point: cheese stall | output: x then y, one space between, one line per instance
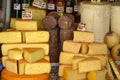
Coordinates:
59 40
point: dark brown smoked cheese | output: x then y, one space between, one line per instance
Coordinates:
54 14
71 16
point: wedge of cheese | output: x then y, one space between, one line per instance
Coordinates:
40 67
4 58
97 48
15 53
70 46
10 37
80 36
84 48
33 54
6 47
70 74
15 66
89 64
36 36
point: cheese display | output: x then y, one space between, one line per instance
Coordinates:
12 23
98 20
33 54
36 36
39 67
15 53
89 64
47 58
97 48
4 58
83 37
70 46
6 47
84 48
10 37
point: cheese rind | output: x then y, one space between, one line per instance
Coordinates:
6 47
36 36
33 54
83 37
70 46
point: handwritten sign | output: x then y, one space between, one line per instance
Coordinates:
81 27
26 15
40 4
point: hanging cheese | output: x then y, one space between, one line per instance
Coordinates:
6 47
33 54
70 46
10 37
83 37
40 67
97 48
84 48
36 36
15 66
4 58
15 53
7 75
89 64
98 20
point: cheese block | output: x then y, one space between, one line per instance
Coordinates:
36 36
7 75
33 54
15 66
6 47
80 36
37 13
12 23
89 64
66 58
84 48
76 59
15 53
97 48
61 78
26 24
4 58
70 74
46 58
10 37
70 46
61 69
97 75
40 67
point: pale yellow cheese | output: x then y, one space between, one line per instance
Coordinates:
46 58
6 47
36 36
83 37
61 69
12 23
33 54
15 66
4 58
70 46
84 48
70 74
97 48
66 58
39 67
15 53
89 64
10 37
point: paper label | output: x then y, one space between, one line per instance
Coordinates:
81 27
51 6
69 10
60 9
39 4
16 6
26 15
24 6
76 8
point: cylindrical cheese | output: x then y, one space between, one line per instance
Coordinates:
115 16
96 16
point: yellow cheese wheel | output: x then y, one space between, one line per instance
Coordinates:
6 75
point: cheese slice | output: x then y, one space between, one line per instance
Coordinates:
39 67
10 37
97 48
89 64
84 48
36 36
80 36
15 53
70 74
33 54
70 46
4 58
15 66
6 47
7 75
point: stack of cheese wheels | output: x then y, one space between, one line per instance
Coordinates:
83 59
98 20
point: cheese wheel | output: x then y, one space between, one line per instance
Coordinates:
6 75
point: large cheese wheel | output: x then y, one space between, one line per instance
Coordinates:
6 75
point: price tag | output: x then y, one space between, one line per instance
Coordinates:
16 6
60 9
51 6
39 4
81 27
26 15
76 8
24 6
